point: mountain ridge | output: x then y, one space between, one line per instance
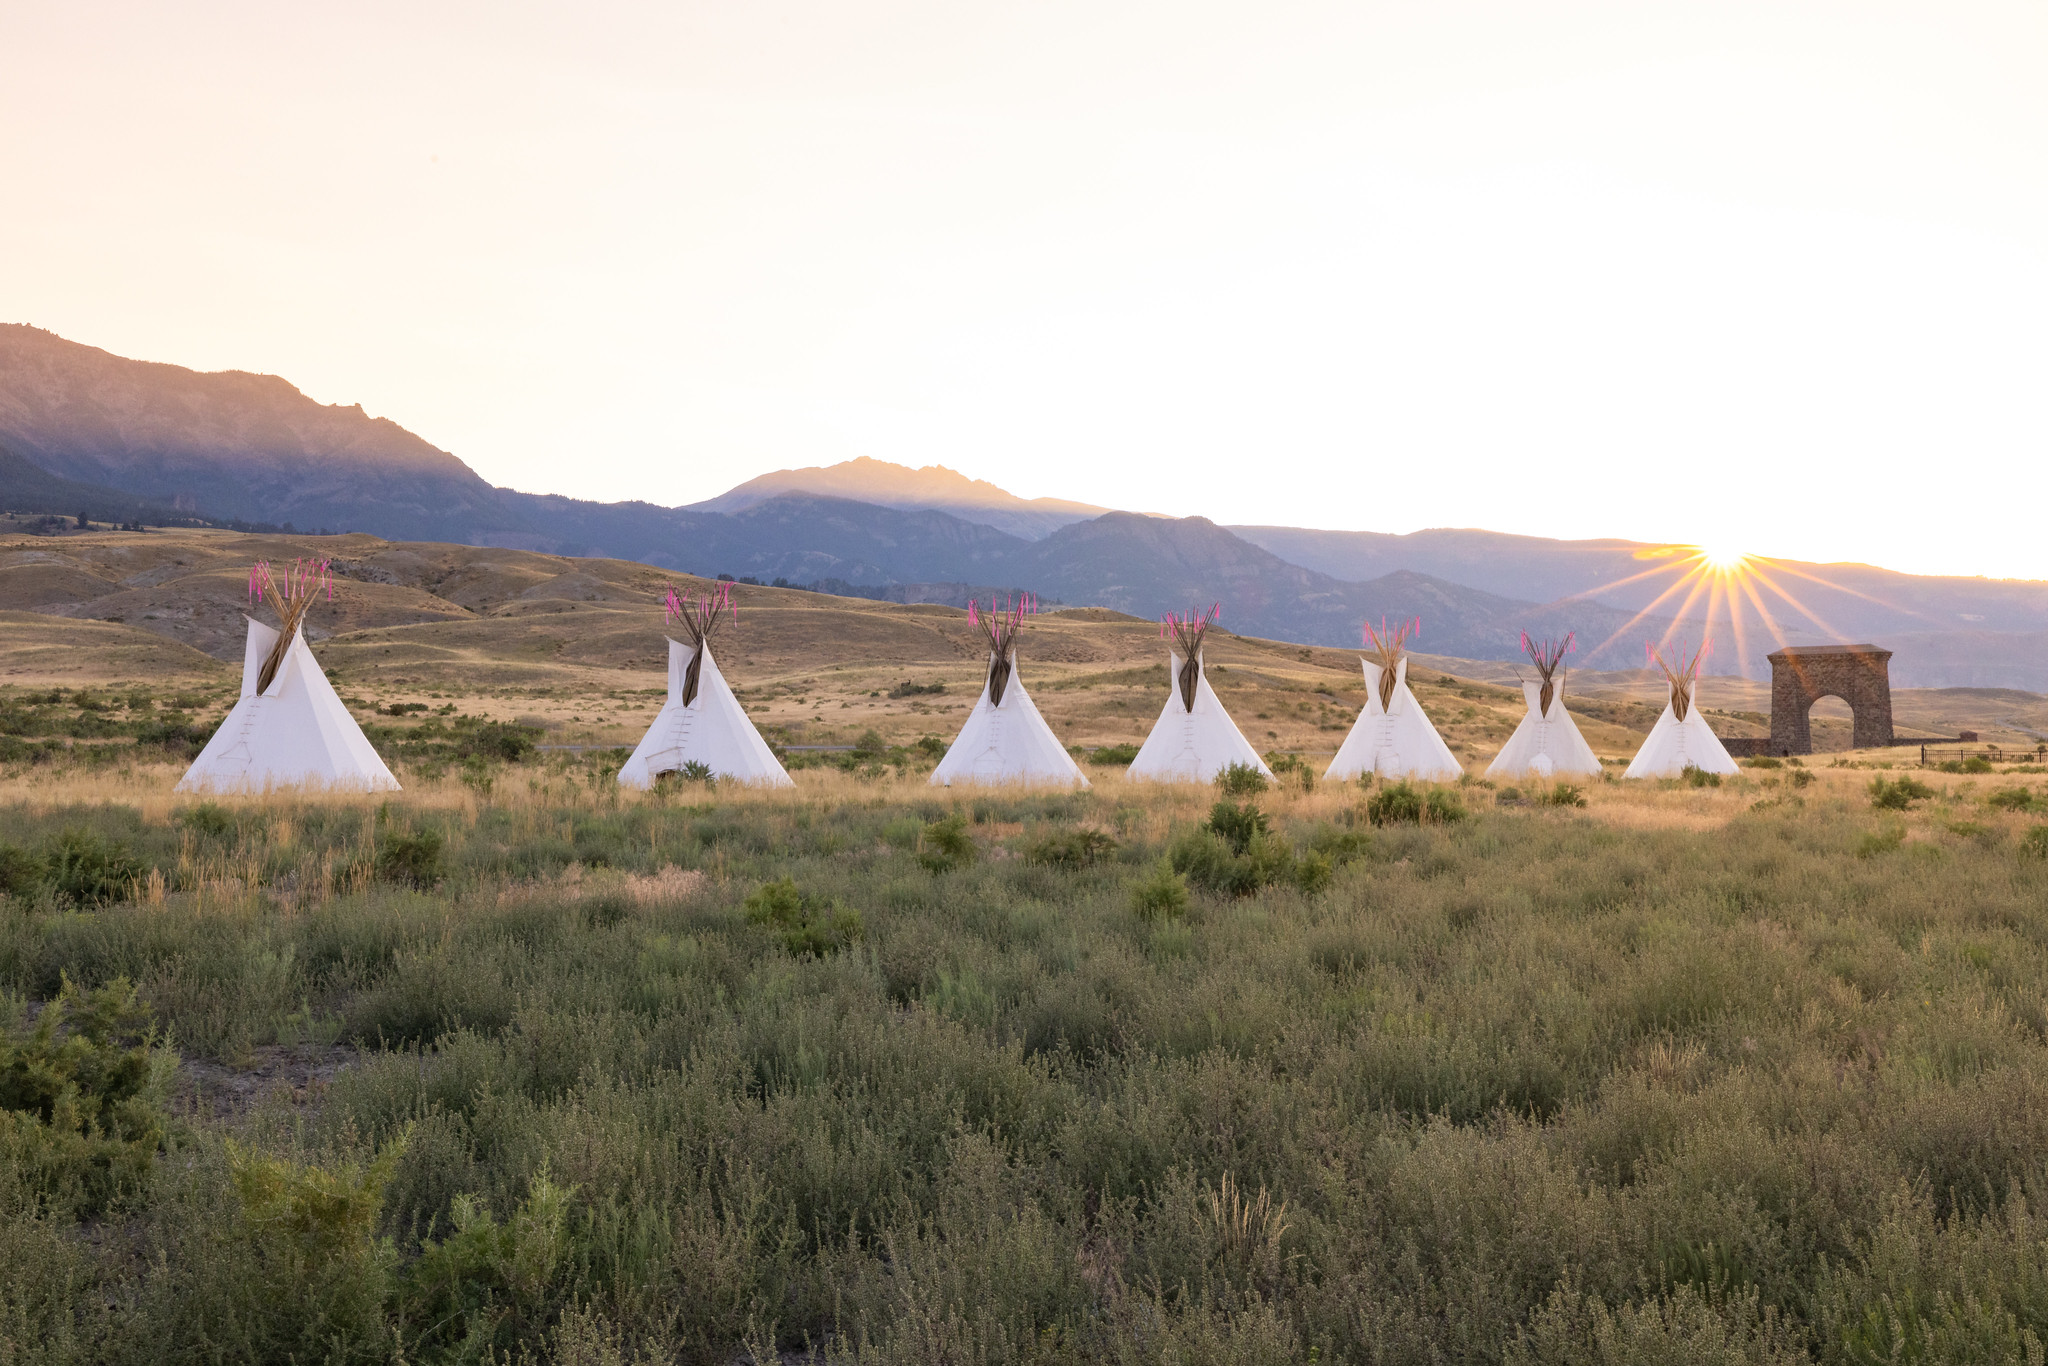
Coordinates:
237 445
930 487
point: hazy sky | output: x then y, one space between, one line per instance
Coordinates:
1772 276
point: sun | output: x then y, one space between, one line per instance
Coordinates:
1721 559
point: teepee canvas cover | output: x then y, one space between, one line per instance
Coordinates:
1005 740
1681 739
702 722
289 729
1194 739
1392 737
1547 744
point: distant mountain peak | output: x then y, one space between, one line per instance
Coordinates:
933 488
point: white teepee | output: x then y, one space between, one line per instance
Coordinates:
1194 738
288 729
1681 739
1005 741
702 722
1547 744
1392 737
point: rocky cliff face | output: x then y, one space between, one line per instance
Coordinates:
231 444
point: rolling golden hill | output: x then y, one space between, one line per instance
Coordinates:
577 645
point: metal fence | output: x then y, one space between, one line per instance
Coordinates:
1932 756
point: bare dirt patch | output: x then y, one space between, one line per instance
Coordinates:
298 1075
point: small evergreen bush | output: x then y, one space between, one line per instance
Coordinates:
1238 825
1403 803
807 925
80 1095
1161 895
411 859
1292 769
210 819
1241 780
1889 795
1079 847
945 845
90 869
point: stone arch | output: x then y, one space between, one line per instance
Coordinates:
1803 674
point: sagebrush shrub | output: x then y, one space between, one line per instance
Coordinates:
1899 795
1292 769
944 845
1080 847
807 925
1698 777
1241 780
412 858
80 1105
81 866
2034 844
208 818
1395 804
1238 825
1160 895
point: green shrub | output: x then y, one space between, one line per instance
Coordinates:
1292 769
909 689
412 859
1238 825
1560 794
2011 799
1235 853
90 869
2034 844
1976 763
21 872
1881 841
1766 761
81 1093
1160 895
210 819
1887 795
1079 847
806 924
946 844
1122 756
1403 803
496 740
1395 804
318 1262
1241 780
1699 777
490 1289
1443 807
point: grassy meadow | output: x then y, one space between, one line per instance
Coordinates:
513 1066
